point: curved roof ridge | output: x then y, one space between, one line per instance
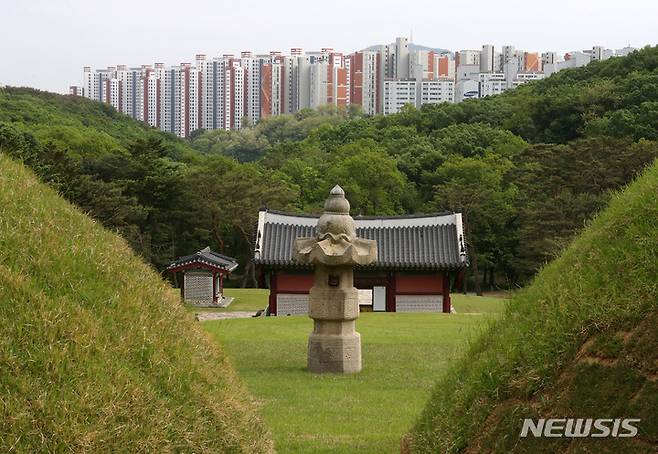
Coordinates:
225 257
208 257
427 241
357 217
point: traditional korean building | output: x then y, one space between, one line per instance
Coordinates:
419 260
203 276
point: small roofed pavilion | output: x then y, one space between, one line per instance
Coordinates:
203 276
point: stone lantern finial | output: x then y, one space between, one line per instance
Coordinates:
337 190
334 345
336 202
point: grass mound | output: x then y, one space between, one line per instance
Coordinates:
96 353
580 342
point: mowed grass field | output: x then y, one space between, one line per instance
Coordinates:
246 299
403 355
254 299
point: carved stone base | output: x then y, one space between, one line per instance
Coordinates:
334 353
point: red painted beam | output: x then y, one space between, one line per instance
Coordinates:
294 283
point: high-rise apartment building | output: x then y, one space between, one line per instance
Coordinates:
76 90
435 91
273 86
487 59
402 58
446 67
234 95
531 62
88 83
153 95
189 102
298 89
491 84
364 80
116 94
224 92
601 53
397 93
252 72
467 57
99 82
624 51
466 89
549 58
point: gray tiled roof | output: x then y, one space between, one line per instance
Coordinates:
206 257
403 242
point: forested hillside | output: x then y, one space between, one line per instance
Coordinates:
165 198
527 168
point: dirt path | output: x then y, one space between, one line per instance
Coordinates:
205 316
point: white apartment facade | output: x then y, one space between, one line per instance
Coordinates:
523 78
398 93
435 92
491 84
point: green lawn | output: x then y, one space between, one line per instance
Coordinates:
253 299
403 354
246 299
470 303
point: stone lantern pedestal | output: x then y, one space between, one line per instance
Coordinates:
334 345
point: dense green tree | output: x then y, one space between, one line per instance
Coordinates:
561 186
244 146
475 186
370 178
226 198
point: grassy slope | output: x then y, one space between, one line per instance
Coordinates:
472 304
367 412
581 341
96 354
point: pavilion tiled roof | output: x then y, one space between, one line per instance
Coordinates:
208 258
434 241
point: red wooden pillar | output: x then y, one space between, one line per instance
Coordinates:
273 289
214 286
446 293
221 283
390 293
182 285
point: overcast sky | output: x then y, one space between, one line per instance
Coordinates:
45 43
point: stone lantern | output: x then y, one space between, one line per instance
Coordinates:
334 345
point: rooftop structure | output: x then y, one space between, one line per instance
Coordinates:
420 258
